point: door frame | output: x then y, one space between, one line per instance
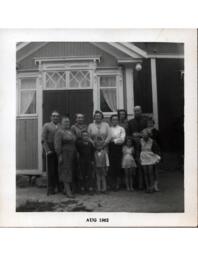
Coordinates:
43 68
94 73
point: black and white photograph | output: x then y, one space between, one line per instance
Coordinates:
101 128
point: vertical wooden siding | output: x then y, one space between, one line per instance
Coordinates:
58 49
26 144
171 103
142 87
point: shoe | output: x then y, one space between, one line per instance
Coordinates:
151 190
70 196
156 189
49 193
91 192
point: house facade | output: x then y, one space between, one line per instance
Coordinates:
73 77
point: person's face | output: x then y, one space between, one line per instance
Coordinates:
138 112
98 118
122 115
114 120
150 124
80 119
145 135
85 136
65 123
55 117
129 143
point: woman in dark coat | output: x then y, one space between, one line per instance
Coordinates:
65 148
122 116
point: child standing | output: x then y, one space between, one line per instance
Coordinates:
154 134
128 163
86 158
101 167
149 156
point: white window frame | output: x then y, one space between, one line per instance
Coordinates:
67 74
119 89
45 80
67 67
18 101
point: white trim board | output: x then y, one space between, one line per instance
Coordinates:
135 49
31 52
126 50
22 45
103 48
166 56
154 91
40 60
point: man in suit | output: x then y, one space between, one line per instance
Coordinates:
48 133
134 128
137 124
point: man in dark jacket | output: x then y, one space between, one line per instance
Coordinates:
135 126
48 133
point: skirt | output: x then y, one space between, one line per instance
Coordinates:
128 162
66 169
149 158
115 159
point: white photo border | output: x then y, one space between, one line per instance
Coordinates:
8 215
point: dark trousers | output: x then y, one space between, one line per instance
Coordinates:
115 158
52 172
86 174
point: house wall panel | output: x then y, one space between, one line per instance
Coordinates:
26 144
170 85
59 49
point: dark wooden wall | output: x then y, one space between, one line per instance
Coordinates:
171 103
142 87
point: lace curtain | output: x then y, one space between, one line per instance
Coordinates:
108 93
110 98
28 96
28 102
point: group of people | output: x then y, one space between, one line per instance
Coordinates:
101 156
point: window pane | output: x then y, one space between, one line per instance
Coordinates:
55 80
79 79
28 83
108 101
28 102
108 81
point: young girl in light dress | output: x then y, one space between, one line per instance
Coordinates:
149 157
155 135
128 163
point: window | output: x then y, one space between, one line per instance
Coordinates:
108 95
79 79
74 79
55 80
27 90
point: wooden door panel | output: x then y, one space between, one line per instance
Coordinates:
68 102
55 100
81 101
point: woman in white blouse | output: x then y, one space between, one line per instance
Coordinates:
115 152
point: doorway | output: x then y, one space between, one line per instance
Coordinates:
68 102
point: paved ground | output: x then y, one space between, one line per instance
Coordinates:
169 199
